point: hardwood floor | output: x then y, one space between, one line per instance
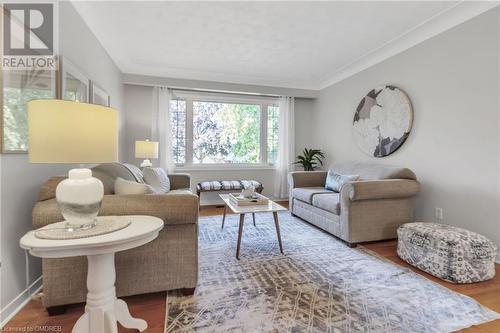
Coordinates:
151 307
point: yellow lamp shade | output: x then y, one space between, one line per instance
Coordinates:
71 132
146 149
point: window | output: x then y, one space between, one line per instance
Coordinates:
217 129
178 121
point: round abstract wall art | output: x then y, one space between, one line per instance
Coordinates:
382 121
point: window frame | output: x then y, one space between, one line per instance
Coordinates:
230 98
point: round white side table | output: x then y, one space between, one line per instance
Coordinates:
103 309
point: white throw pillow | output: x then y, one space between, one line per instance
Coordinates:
335 181
157 178
124 187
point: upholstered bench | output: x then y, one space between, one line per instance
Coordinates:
228 185
449 253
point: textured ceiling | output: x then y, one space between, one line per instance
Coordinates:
288 44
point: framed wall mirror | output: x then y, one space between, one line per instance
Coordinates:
98 95
17 89
74 83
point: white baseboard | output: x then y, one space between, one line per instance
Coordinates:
19 302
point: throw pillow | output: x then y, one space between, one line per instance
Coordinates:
157 178
124 187
335 181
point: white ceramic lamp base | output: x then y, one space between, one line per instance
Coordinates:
146 164
79 198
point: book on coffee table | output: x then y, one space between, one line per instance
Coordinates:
257 199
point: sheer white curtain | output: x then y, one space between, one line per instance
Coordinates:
286 151
161 129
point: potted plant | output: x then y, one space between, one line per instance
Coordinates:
310 158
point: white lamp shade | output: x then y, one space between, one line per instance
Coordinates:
71 132
146 149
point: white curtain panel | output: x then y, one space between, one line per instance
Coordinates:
162 129
286 151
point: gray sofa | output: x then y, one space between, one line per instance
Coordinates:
366 210
168 262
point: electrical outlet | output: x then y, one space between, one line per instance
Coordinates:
438 214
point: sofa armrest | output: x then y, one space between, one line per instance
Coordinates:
171 208
179 181
306 178
380 189
46 212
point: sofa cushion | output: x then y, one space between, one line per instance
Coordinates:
127 187
335 181
180 191
306 194
48 189
370 171
327 201
157 178
108 172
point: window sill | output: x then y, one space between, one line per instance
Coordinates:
225 168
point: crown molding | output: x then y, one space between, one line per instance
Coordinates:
179 83
461 12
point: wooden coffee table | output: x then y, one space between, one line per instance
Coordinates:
271 207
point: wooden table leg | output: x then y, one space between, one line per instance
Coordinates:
253 217
240 231
277 224
103 309
224 216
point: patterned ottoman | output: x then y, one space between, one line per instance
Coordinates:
228 185
449 253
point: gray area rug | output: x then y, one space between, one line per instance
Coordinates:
319 285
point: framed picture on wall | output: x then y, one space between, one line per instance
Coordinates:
98 95
17 89
75 85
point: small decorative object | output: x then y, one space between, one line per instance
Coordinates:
382 121
256 199
248 192
75 86
99 96
70 132
310 159
146 149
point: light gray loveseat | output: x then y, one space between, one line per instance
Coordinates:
366 210
168 262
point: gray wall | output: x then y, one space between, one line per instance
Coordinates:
454 148
139 104
20 180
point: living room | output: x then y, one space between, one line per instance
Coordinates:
258 166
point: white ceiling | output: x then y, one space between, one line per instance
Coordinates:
287 44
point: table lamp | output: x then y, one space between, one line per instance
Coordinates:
77 133
146 149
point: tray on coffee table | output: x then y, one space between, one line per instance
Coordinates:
257 199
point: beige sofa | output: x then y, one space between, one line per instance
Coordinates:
366 210
168 262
